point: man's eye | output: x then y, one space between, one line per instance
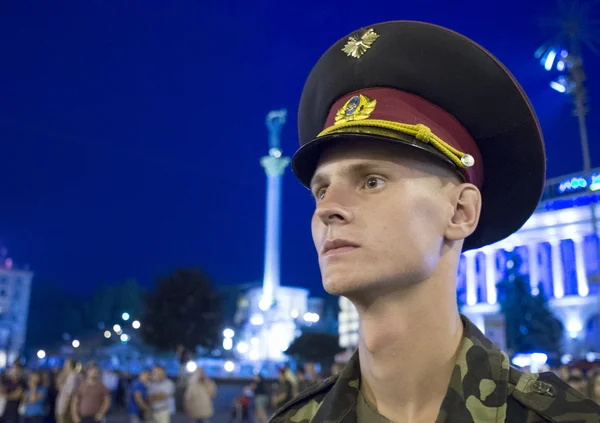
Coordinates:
374 182
320 193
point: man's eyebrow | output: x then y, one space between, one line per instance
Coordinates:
361 167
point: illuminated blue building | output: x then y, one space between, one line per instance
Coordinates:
15 289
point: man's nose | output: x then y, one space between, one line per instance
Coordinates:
334 207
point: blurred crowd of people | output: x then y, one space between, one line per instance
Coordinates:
84 394
260 399
586 382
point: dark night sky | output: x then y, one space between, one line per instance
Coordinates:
131 132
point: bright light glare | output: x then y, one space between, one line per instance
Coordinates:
311 317
257 320
539 358
242 348
550 60
107 334
264 304
228 333
227 344
124 337
136 324
191 366
566 359
75 343
558 87
229 366
41 354
117 328
125 316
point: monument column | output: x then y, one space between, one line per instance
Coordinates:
274 165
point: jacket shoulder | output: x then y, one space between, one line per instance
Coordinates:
551 399
303 407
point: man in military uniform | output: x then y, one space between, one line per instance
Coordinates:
418 145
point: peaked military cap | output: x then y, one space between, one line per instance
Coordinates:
430 88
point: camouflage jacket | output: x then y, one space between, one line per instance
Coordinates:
484 388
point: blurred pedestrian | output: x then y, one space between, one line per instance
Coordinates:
311 374
48 382
110 379
594 386
578 383
68 383
92 400
261 400
303 383
14 388
198 398
138 406
283 393
34 400
160 393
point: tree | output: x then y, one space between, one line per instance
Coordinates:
530 325
315 346
183 311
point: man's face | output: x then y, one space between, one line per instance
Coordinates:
383 210
158 374
93 372
14 373
144 376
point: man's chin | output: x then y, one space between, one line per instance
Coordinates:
344 286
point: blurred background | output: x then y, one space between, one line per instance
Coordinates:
149 218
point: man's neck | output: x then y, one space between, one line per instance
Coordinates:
409 341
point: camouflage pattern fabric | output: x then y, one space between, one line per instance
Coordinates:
484 388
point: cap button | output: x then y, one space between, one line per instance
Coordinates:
467 160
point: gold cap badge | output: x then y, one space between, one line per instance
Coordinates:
359 107
357 46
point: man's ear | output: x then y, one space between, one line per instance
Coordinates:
466 200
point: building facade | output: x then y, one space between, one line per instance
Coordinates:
560 254
15 289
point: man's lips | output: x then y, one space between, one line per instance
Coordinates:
338 246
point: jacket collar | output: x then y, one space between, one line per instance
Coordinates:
477 392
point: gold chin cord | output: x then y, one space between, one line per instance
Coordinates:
421 132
